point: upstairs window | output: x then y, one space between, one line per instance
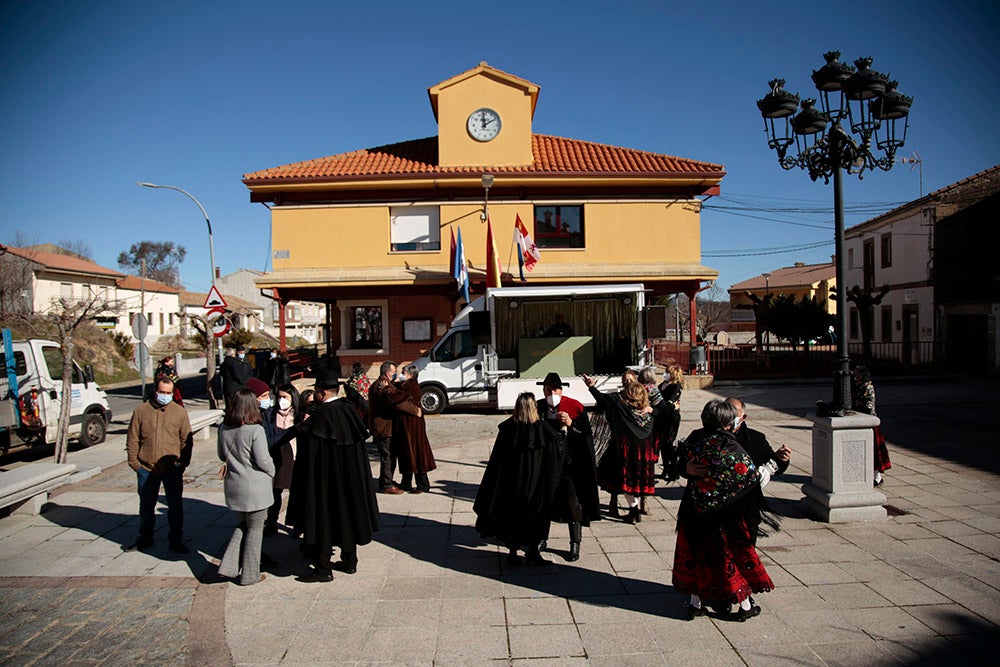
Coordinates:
886 250
559 227
415 228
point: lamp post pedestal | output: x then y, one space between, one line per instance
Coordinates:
842 489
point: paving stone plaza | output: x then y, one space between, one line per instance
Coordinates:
920 587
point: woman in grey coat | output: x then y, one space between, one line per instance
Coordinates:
248 482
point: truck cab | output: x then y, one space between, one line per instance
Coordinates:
31 395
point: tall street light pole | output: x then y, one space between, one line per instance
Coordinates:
211 244
767 294
871 106
858 117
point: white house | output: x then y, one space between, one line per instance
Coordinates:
36 280
157 301
906 252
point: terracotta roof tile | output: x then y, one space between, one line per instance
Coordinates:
552 156
789 276
60 262
136 283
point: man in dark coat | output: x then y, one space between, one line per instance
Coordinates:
384 402
275 372
332 501
756 445
235 371
576 500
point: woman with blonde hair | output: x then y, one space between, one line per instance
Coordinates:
627 468
514 500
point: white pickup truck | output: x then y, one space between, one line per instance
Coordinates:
30 391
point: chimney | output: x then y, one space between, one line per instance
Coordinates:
218 273
798 264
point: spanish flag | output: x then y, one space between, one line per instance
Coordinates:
492 258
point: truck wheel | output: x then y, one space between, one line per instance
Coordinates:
432 400
93 430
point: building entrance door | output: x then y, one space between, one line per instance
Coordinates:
911 334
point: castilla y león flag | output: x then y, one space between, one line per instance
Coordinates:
528 254
492 258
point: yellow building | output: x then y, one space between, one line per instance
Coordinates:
369 232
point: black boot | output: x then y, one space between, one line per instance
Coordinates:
613 506
575 537
634 516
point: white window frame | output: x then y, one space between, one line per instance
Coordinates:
347 327
419 225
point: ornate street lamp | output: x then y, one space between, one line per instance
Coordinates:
855 130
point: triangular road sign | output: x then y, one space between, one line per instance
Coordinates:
214 299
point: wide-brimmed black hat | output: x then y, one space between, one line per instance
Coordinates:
327 379
553 380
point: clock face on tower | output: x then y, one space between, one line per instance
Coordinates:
483 124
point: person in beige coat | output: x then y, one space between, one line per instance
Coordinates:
159 449
247 484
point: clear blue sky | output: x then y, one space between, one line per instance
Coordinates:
98 95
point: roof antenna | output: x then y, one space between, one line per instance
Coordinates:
917 164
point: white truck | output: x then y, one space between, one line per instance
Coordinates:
505 342
30 396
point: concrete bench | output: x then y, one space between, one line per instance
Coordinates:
202 421
26 489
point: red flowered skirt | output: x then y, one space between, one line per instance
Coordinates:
882 462
629 466
718 569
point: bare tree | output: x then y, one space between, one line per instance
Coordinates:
68 315
204 333
17 271
77 247
713 310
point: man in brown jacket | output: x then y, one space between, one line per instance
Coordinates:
384 402
159 445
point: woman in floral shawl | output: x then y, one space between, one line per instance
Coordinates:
715 560
863 400
628 467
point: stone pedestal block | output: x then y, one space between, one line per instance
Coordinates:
843 475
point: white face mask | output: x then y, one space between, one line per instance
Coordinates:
553 399
265 404
284 403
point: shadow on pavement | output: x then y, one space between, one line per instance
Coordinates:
121 530
458 548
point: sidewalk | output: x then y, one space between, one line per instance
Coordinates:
919 587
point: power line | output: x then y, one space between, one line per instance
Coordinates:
758 252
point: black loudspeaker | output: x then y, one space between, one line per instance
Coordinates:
479 327
655 321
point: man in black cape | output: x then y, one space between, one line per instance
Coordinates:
332 500
576 500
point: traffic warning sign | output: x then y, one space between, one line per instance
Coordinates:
214 299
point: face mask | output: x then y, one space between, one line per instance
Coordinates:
736 423
163 399
284 403
395 376
273 355
241 356
553 399
265 404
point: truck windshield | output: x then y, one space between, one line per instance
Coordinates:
457 346
54 364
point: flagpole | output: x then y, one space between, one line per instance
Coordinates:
511 251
